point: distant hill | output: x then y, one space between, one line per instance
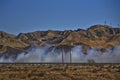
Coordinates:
100 36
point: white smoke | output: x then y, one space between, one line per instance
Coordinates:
39 55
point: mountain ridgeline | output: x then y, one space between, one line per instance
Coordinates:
97 36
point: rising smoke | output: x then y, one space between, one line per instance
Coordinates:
43 55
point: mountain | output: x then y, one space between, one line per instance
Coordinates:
10 44
98 36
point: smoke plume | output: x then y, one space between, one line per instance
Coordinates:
44 55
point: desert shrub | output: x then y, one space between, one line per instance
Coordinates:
41 74
29 75
34 79
49 66
64 74
91 61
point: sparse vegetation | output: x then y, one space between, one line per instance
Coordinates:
60 72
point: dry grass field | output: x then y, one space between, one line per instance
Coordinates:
60 72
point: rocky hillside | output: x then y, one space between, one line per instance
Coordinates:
100 36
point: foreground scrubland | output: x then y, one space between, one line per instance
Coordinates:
60 72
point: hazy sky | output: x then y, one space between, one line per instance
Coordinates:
31 15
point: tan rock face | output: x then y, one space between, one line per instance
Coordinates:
101 36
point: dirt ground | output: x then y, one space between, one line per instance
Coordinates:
60 72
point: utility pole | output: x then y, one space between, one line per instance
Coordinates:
62 55
70 55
